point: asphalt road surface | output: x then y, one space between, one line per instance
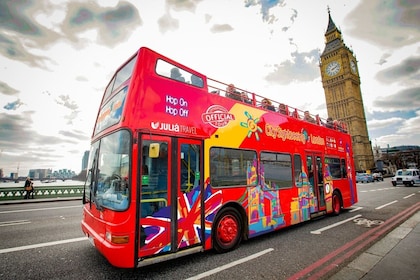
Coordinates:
45 241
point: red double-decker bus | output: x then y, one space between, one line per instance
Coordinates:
181 163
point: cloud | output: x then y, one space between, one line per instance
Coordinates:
24 19
74 134
404 100
23 144
293 16
383 58
394 24
167 23
265 6
112 24
380 124
13 105
7 90
411 126
406 72
185 5
14 130
16 23
395 130
303 67
219 28
67 102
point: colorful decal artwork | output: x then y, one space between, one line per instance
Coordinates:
261 200
252 125
189 224
305 203
328 187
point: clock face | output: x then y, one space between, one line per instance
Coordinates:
353 66
333 68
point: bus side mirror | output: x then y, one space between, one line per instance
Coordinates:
154 150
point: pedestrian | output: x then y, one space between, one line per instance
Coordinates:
27 187
31 192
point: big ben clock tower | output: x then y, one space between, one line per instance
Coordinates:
341 83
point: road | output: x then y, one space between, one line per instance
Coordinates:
44 241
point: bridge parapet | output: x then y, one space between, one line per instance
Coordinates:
14 193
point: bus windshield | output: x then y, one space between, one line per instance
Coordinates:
108 178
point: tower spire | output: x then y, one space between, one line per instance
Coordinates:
331 25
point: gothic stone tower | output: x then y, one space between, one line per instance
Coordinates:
341 83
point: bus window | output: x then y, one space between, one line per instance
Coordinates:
173 72
124 73
277 170
108 90
190 166
121 76
231 167
297 163
154 192
334 167
111 112
310 168
343 168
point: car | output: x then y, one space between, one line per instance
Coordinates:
377 176
407 177
363 178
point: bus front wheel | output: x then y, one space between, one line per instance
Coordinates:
227 230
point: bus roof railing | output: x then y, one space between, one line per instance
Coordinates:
251 98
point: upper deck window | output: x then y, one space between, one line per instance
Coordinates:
121 76
166 69
111 112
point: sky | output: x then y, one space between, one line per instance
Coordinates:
57 56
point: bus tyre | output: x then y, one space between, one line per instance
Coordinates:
228 230
336 203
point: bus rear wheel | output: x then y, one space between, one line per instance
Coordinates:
227 230
336 203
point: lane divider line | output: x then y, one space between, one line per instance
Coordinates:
12 223
319 231
229 265
385 205
33 246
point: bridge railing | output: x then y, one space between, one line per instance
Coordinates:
14 193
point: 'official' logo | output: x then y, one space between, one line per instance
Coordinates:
217 116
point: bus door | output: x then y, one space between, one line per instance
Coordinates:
169 213
316 178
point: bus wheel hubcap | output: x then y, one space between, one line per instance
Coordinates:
228 229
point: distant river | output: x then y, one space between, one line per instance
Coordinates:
42 184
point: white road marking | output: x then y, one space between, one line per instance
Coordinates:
12 223
410 195
319 231
229 265
33 246
385 205
39 209
355 209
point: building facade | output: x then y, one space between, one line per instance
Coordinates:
85 160
341 83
